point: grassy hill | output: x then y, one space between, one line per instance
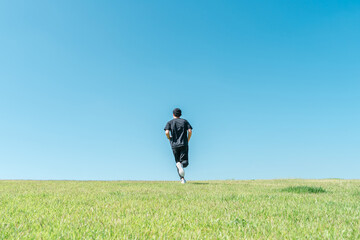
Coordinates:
254 209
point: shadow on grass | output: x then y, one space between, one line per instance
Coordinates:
198 183
304 189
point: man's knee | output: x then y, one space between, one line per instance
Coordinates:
185 163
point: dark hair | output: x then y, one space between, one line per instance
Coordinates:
177 112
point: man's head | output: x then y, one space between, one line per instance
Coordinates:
177 112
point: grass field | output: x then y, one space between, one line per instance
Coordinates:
254 209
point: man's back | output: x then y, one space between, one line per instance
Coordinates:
178 128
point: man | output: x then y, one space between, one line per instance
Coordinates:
181 132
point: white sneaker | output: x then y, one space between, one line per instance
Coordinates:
180 168
183 181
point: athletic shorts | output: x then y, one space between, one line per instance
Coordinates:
181 153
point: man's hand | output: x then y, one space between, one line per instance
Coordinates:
189 134
167 133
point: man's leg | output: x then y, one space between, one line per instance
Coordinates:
177 153
184 156
184 159
180 170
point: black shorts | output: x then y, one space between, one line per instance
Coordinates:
181 153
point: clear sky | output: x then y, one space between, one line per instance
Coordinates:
271 88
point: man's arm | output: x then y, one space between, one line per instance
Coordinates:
189 134
167 133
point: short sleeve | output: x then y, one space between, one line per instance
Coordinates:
167 126
188 126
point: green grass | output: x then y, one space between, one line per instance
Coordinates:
304 189
254 209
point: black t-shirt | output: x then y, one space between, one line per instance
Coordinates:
178 128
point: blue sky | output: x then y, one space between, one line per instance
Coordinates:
272 88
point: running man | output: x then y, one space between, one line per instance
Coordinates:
181 131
